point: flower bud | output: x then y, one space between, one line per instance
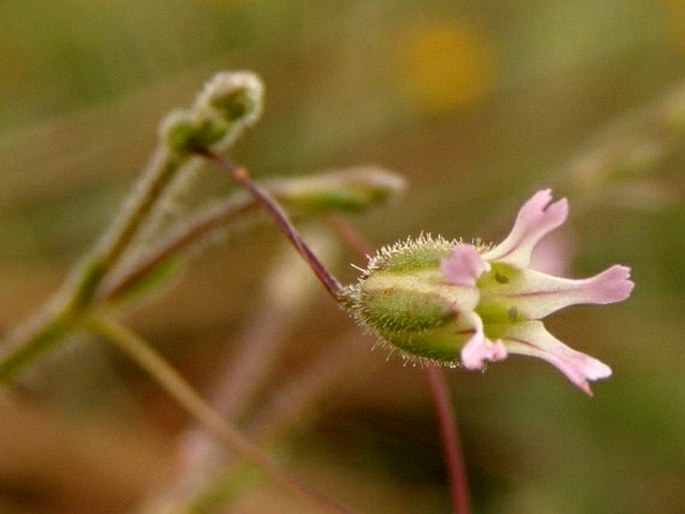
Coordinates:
229 103
235 96
352 190
404 298
185 131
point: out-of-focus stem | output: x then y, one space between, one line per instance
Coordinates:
172 382
616 166
284 410
33 340
288 289
79 291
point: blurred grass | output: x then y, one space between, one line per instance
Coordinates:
478 105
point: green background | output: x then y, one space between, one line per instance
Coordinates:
478 105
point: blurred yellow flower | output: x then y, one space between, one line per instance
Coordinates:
445 65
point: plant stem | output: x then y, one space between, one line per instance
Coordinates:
454 459
22 347
172 382
79 291
241 176
160 170
453 456
162 167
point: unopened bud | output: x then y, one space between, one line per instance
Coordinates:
354 189
185 131
404 298
236 96
229 103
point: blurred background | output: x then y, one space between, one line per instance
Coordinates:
478 104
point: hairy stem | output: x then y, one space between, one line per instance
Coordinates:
172 382
78 293
161 169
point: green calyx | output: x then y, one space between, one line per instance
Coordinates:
437 345
409 256
403 303
404 298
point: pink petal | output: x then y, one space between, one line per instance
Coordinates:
553 254
464 266
534 295
612 285
531 338
480 349
535 219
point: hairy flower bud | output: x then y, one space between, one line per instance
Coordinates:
404 298
185 131
229 103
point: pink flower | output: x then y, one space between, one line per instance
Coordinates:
513 297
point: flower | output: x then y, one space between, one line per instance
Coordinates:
452 302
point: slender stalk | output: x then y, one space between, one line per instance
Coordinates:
294 399
241 176
176 243
148 191
79 290
284 411
172 382
32 340
454 459
453 456
162 168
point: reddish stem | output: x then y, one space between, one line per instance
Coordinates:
449 433
241 176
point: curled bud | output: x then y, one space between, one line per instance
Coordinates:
235 96
186 131
229 103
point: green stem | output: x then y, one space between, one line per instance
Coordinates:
162 168
172 382
79 291
40 336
